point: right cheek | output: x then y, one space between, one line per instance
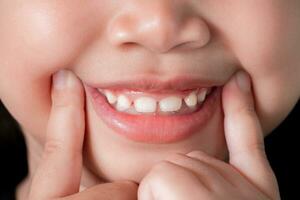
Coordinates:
33 46
28 100
24 73
37 35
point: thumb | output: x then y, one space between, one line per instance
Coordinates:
59 172
244 135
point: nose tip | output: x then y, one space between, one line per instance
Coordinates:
159 30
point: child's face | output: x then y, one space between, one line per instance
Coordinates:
107 41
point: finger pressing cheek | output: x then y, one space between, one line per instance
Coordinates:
244 135
59 172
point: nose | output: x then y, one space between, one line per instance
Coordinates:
158 25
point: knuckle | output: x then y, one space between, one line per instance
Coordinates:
256 149
175 157
62 103
197 154
162 166
53 146
258 146
259 149
202 156
160 170
247 110
65 99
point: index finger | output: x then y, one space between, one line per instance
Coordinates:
59 172
244 135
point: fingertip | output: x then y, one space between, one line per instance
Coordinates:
242 127
243 81
67 117
237 94
62 156
66 88
241 123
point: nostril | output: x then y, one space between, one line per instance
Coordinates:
128 45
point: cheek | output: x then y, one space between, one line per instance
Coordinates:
43 34
270 32
36 40
27 97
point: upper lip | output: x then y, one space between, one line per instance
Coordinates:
151 84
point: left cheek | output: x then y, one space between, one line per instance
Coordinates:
275 96
270 58
274 68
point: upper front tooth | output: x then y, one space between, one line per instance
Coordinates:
123 103
145 105
170 104
191 99
202 95
111 98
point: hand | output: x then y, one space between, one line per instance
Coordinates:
59 173
197 176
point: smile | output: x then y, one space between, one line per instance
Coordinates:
155 117
137 103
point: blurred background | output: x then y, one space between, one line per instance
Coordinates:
281 146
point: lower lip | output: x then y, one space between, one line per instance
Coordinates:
155 128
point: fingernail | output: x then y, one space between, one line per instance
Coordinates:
63 79
60 79
243 81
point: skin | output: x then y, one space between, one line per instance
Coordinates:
248 174
38 38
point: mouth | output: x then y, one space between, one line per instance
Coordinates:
150 115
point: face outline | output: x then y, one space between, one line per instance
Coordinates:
39 38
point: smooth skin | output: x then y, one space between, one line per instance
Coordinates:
194 175
105 41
